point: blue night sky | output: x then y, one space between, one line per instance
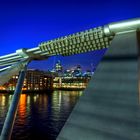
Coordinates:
26 23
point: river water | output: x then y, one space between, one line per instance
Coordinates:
39 116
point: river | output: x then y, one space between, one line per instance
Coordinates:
39 116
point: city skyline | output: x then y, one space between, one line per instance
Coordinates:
25 24
63 69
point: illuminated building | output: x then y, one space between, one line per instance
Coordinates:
88 73
77 71
34 80
71 83
37 80
67 73
72 79
58 66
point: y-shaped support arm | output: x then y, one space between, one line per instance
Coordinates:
11 115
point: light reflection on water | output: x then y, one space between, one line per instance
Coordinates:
39 115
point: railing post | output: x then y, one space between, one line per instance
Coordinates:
11 115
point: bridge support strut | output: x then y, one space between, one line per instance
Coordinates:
11 115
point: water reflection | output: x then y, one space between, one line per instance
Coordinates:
40 115
22 109
3 101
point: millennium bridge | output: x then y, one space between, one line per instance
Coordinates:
110 106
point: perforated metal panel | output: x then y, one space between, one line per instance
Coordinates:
80 42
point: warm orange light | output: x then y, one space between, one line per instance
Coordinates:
2 88
24 88
22 109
